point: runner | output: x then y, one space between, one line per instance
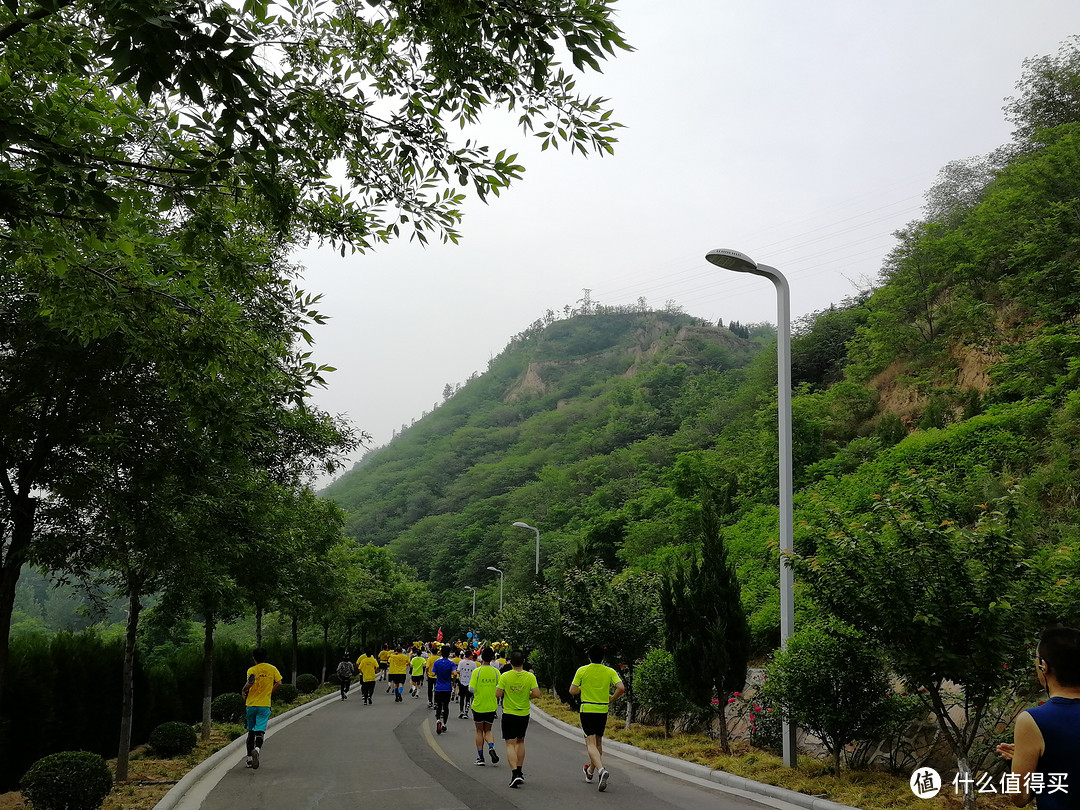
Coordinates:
262 681
484 680
399 665
444 669
345 673
417 664
368 665
384 663
433 656
465 669
455 659
593 682
515 687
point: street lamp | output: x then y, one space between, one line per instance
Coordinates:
521 525
500 573
741 263
471 588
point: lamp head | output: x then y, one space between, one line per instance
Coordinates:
470 588
521 525
731 260
493 568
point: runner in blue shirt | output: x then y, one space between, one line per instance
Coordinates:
444 685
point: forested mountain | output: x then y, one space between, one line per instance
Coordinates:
953 382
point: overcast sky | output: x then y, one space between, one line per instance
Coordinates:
801 133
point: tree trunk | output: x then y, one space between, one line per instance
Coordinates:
836 760
207 672
725 737
22 509
325 646
258 625
128 702
964 772
295 645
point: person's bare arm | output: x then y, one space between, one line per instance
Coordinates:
1024 753
535 692
575 689
499 692
620 690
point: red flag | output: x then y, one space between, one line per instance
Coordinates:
438 636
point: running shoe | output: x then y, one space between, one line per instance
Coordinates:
601 780
438 727
255 759
515 781
480 761
248 763
588 774
494 756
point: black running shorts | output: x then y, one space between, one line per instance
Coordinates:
514 726
593 723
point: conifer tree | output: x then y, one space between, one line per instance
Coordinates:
707 632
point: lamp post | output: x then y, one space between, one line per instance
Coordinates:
471 588
500 573
741 263
521 525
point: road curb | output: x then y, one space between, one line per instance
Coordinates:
739 785
180 790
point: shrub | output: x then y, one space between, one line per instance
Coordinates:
657 685
70 780
286 693
306 684
228 708
832 681
173 739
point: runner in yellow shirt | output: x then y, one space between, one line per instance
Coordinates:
398 667
431 659
368 665
593 682
262 681
384 658
455 659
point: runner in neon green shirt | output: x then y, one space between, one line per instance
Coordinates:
593 682
484 681
515 688
418 664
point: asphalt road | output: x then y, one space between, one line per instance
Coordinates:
348 755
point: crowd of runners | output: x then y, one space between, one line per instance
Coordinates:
485 686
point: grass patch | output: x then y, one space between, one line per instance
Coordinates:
869 790
150 778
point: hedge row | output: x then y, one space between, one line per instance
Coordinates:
66 689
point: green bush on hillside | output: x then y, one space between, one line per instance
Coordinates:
70 780
228 708
306 683
173 739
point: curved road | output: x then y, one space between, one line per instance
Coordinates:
344 755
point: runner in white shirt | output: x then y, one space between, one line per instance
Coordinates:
465 670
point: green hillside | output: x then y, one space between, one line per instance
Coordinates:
959 367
